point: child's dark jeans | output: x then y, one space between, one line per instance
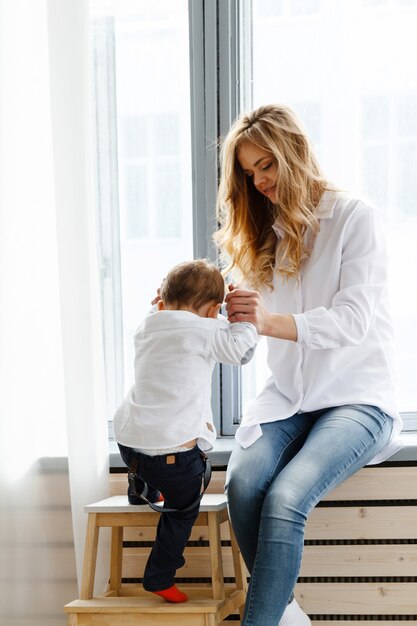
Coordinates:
178 476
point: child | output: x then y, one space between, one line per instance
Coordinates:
165 422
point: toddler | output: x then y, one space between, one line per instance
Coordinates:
165 424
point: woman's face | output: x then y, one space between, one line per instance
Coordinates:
261 167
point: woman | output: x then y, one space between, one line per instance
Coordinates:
313 264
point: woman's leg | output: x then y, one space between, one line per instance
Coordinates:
251 471
340 442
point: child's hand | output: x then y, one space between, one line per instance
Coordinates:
158 293
157 297
230 287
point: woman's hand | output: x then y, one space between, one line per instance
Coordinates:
244 305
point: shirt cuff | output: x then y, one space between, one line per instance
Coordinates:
303 333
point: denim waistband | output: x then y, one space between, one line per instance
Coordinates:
168 458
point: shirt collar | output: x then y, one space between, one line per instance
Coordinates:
325 210
278 230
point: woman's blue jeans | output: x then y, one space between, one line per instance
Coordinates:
274 484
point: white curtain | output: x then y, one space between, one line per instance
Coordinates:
53 436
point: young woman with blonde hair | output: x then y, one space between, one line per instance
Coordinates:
311 266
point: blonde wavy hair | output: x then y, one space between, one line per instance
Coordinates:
246 240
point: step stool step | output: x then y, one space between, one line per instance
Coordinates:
120 504
148 609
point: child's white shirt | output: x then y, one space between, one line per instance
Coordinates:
175 353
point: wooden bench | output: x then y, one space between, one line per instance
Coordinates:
360 555
126 604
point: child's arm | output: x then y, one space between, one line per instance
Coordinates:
233 344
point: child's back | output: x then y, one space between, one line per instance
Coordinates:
170 401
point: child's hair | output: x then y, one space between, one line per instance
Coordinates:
193 284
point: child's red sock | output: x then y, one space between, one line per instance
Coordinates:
173 594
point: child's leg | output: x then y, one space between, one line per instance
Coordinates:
153 494
166 557
179 478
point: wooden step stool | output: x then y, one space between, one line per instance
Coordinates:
128 605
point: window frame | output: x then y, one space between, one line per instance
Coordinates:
217 95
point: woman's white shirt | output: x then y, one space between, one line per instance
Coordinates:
344 351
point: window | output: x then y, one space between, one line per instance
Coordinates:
141 112
156 159
169 76
347 68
